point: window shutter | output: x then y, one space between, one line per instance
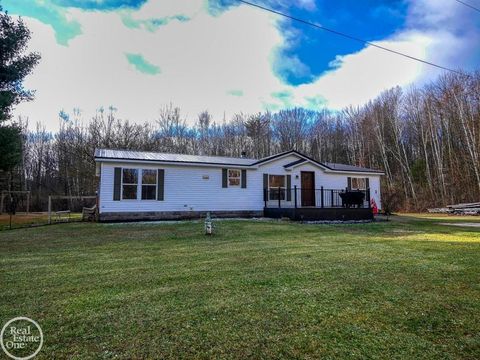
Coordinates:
289 185
224 178
349 183
117 183
244 179
160 184
265 187
367 183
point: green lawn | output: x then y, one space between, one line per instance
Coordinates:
404 289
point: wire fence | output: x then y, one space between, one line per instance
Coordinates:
61 209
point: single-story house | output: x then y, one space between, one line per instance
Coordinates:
137 185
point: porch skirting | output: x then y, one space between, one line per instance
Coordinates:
312 214
174 215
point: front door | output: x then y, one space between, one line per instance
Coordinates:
308 188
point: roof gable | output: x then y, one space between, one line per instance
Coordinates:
326 166
287 153
297 162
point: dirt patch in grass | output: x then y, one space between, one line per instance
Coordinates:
466 224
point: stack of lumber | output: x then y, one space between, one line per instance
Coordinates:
459 209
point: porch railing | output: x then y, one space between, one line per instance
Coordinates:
319 198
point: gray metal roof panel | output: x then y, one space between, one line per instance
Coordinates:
344 167
167 157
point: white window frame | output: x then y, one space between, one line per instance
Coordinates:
139 184
357 179
239 177
150 185
130 184
284 188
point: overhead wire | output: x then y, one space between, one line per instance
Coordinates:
348 36
468 5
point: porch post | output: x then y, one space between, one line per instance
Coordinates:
368 198
295 194
321 197
279 199
331 198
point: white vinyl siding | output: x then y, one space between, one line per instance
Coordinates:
199 188
186 188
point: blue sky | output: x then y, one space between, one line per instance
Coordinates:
227 57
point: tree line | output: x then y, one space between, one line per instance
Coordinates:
426 140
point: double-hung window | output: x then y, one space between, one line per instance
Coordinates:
276 186
129 184
359 184
234 176
149 184
139 180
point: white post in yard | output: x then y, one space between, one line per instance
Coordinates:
208 224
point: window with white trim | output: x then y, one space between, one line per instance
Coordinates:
359 184
276 187
129 184
234 177
149 184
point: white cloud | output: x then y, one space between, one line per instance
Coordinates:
200 60
362 76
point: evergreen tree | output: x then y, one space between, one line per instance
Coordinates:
15 65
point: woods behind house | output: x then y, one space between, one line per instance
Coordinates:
426 140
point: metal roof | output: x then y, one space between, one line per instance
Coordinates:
105 154
344 167
167 157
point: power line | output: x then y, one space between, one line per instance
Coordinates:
468 5
351 37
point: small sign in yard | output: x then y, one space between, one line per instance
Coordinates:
208 225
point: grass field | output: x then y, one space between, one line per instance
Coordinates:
406 289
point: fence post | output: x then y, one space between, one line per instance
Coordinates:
295 194
49 209
321 197
28 202
279 199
